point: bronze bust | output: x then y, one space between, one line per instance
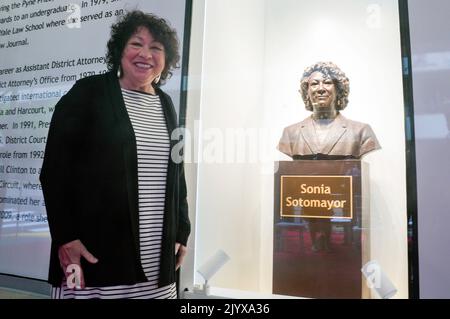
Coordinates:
327 133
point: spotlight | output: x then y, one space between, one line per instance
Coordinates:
211 266
377 280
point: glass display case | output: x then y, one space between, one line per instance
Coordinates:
244 90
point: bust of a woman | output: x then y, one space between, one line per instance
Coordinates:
325 89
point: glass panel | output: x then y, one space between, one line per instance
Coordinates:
254 56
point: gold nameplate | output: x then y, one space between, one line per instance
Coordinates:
316 196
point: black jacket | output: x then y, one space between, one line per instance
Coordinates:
90 185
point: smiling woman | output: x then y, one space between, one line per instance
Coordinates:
127 230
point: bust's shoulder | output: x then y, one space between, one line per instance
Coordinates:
356 125
298 125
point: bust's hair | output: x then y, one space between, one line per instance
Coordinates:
128 24
340 80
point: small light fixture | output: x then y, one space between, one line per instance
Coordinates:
377 280
211 267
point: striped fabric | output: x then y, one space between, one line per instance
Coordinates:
153 148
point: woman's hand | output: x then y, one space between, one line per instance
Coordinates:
180 252
71 253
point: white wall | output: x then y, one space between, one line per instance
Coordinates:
429 29
253 56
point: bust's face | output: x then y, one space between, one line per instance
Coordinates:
321 91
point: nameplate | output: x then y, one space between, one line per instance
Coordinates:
316 196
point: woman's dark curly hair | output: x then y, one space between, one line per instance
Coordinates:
340 80
128 24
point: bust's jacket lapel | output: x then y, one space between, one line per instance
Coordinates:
309 136
337 131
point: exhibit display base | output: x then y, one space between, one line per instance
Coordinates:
321 228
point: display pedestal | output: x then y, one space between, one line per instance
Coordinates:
321 228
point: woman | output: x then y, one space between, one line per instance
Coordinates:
326 134
116 201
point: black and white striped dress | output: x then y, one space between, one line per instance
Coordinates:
153 148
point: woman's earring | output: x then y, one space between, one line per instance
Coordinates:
156 80
119 72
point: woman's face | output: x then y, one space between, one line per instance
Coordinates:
143 59
321 91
